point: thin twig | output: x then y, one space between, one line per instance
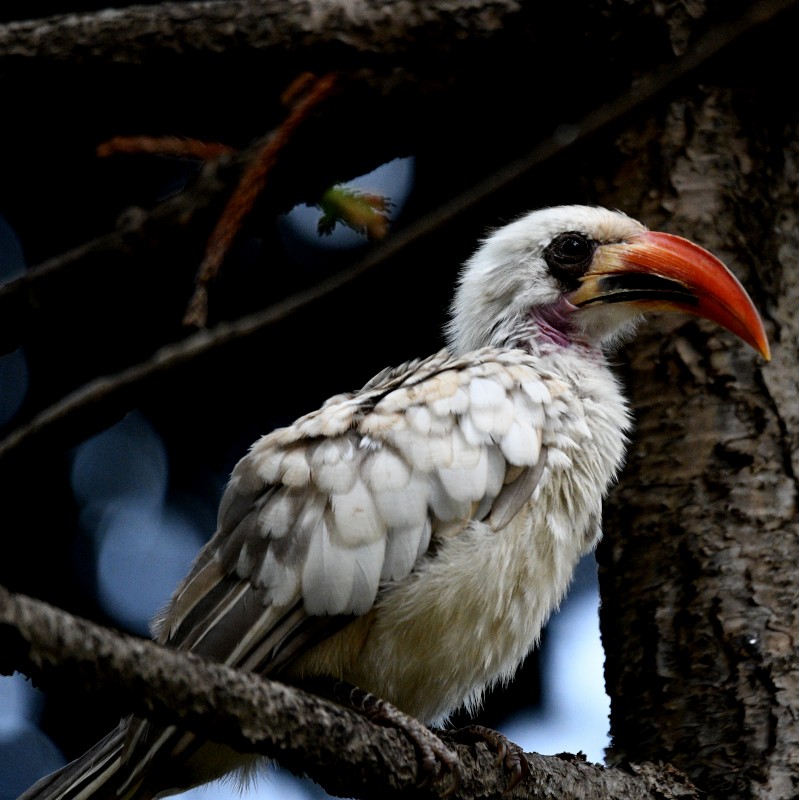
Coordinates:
176 146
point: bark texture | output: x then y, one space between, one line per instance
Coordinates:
139 33
699 613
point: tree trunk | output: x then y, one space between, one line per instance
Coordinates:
700 605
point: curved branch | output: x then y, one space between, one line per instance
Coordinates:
114 389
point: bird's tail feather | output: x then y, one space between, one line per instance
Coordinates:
90 776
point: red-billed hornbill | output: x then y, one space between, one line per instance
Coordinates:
412 538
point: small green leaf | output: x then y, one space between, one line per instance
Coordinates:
363 212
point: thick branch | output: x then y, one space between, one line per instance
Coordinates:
137 33
303 732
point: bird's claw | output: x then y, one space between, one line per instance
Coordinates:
435 758
508 755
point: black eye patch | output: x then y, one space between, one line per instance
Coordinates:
568 256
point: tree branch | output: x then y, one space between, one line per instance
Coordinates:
140 33
303 732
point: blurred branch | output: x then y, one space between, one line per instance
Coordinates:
177 146
304 732
68 413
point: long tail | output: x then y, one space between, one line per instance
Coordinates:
91 775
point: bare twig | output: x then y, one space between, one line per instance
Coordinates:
111 389
177 146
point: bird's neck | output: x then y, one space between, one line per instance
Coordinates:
550 329
552 325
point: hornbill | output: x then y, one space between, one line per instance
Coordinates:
412 538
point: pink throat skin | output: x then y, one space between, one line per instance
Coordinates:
553 322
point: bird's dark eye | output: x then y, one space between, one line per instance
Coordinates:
568 256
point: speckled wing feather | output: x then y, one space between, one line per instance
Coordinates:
318 514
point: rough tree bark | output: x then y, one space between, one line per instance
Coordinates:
699 613
699 593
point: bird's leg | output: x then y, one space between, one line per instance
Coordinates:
434 754
509 755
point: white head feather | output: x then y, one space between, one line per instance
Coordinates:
508 279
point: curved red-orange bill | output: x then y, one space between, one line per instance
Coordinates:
660 271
